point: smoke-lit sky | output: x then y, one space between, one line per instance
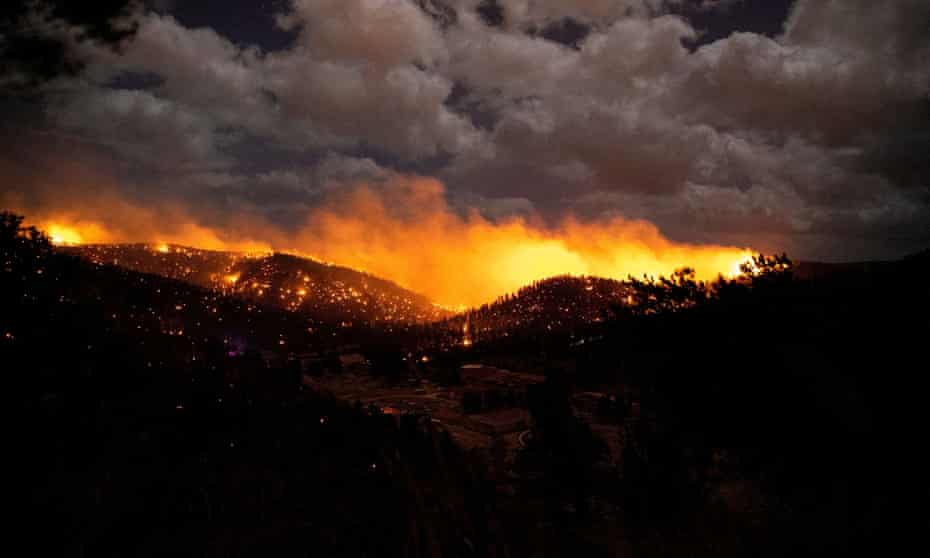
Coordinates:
801 126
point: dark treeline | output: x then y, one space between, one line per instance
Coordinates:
766 415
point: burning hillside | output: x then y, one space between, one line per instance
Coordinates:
324 292
406 231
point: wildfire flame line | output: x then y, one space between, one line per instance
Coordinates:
406 232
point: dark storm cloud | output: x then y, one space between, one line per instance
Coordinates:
244 22
566 31
783 125
718 20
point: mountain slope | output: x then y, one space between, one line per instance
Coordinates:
320 291
555 305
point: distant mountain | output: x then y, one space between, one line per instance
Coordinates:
557 304
573 308
320 291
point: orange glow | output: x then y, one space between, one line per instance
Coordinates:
66 232
120 222
63 235
405 231
470 260
231 279
737 268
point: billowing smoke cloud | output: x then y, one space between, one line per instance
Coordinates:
809 140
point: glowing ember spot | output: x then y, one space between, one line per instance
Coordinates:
163 248
231 279
737 268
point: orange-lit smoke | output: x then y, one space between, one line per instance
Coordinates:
406 232
470 260
120 221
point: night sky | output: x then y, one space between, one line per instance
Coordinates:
781 126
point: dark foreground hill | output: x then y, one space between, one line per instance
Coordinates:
141 434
